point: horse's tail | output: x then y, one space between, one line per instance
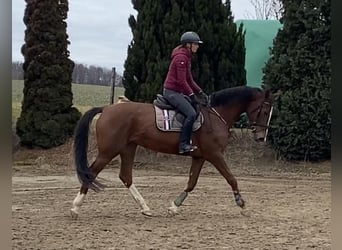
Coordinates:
81 147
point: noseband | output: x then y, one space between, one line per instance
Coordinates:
259 109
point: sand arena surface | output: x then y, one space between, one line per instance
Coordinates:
287 208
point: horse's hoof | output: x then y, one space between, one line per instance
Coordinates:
245 213
241 203
74 214
173 210
146 213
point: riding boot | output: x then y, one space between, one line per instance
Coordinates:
185 136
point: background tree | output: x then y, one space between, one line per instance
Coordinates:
300 66
81 74
218 64
266 9
47 118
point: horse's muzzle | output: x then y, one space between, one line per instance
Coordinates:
259 139
259 135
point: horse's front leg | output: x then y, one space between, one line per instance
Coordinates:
195 170
219 163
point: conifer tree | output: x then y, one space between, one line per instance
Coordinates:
218 64
300 66
47 118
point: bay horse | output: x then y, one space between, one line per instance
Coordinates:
121 127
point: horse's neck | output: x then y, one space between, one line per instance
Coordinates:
230 113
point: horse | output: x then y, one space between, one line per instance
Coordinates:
121 127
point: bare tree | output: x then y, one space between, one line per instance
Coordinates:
266 9
277 9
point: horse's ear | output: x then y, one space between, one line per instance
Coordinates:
269 94
277 95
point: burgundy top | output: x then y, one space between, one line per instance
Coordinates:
179 78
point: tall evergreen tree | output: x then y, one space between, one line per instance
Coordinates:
300 66
47 118
218 64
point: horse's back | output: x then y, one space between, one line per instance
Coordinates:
126 116
131 108
133 122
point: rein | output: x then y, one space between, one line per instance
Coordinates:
219 116
215 112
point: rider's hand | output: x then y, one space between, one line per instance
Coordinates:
203 98
193 99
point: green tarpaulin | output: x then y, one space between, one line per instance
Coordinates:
258 41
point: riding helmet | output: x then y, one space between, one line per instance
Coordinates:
190 37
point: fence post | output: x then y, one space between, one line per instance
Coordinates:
113 86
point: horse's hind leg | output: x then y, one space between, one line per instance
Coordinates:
195 169
127 161
96 167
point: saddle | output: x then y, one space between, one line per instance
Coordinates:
170 119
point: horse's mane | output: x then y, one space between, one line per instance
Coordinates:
232 95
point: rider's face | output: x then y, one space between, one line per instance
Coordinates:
194 47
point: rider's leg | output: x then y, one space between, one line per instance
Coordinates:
185 136
179 101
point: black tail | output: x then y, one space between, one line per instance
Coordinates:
81 148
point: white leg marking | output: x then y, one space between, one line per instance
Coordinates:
173 210
140 200
77 203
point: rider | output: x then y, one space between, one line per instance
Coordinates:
179 83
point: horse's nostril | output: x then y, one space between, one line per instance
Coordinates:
259 139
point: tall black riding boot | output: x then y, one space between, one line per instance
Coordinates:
185 136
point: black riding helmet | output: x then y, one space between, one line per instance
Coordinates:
190 37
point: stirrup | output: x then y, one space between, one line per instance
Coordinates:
187 149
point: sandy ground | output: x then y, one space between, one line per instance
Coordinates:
288 207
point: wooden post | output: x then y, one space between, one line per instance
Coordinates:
112 94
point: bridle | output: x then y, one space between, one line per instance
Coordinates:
259 109
255 122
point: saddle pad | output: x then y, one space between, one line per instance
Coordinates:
170 120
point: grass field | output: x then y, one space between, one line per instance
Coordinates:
85 96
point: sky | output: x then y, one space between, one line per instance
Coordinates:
98 31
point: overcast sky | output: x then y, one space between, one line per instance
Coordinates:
98 30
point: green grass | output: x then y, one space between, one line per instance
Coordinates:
84 96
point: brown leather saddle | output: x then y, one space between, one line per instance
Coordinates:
170 119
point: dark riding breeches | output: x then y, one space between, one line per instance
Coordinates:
180 102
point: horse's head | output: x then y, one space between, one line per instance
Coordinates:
259 113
